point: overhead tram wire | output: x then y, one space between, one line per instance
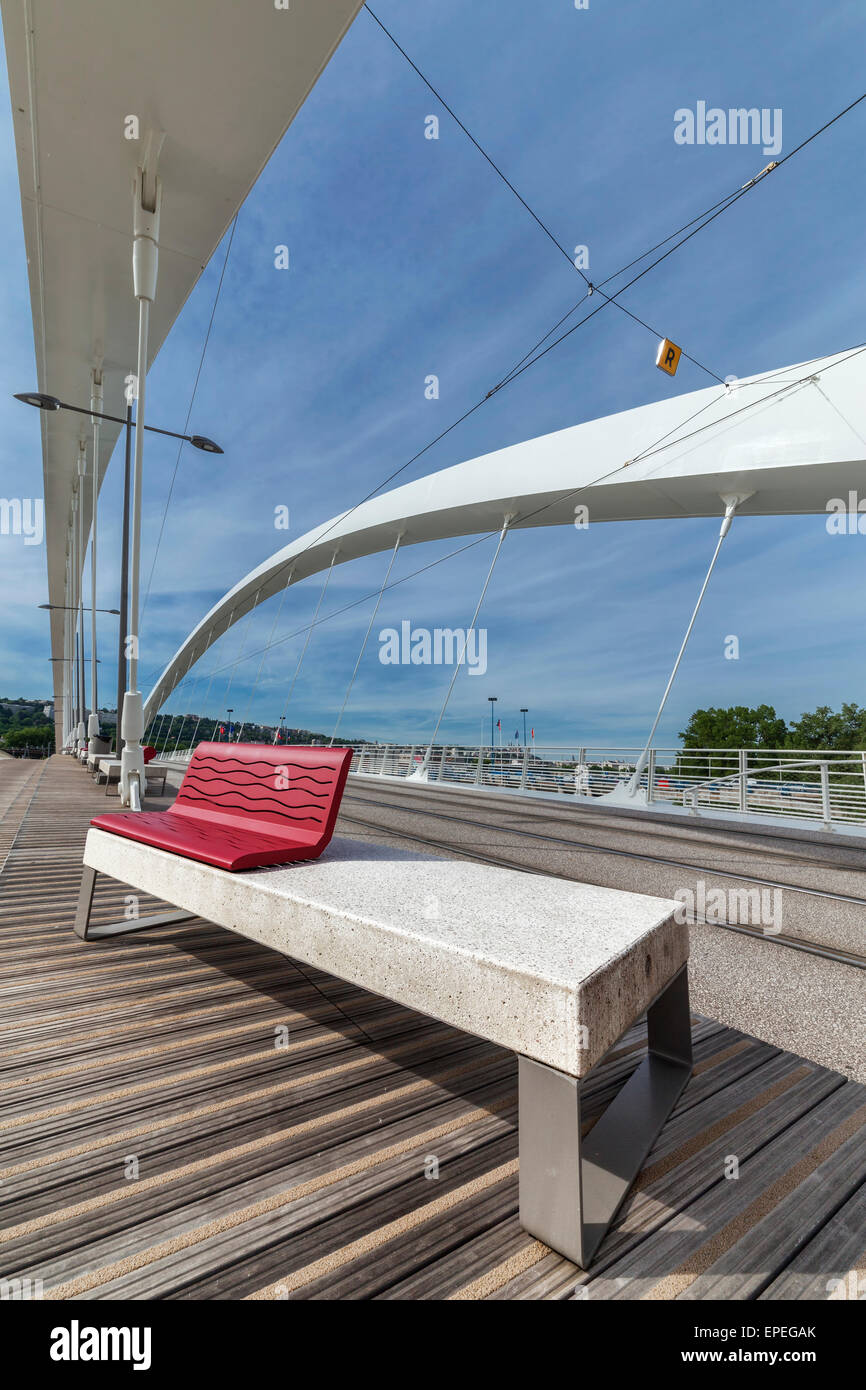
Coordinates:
556 501
591 288
716 210
704 219
504 381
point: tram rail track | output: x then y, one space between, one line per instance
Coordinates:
417 807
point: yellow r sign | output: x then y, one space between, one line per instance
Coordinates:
668 356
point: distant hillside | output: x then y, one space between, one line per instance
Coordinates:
25 722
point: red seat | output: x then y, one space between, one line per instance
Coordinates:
149 753
244 805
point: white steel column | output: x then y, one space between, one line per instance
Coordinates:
145 262
95 405
81 731
67 645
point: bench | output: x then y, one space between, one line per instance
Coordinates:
244 805
553 970
109 768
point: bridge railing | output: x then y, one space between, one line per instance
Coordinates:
801 784
822 785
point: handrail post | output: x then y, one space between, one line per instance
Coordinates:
411 767
385 748
744 773
825 796
650 775
479 769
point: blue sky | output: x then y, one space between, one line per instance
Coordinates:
409 257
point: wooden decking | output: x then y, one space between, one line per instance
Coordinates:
184 1114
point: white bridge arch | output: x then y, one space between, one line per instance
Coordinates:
787 441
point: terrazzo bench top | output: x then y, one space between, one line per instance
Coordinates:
554 970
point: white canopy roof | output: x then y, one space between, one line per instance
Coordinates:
222 79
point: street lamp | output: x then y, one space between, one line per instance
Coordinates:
524 712
492 699
42 401
68 608
127 662
229 712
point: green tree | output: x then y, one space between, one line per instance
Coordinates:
824 728
738 726
36 735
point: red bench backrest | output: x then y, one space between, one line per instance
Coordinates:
285 787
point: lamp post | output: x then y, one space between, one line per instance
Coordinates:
42 401
229 712
128 660
524 712
492 699
68 608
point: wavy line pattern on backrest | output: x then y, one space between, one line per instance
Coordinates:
290 786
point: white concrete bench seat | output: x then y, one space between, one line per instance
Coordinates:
555 971
109 768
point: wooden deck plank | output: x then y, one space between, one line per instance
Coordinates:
833 1263
765 1250
300 1173
697 1233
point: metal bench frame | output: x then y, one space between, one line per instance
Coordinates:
89 931
571 1186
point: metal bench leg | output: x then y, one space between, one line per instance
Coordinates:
572 1188
90 933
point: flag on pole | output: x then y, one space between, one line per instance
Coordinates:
499 723
517 734
532 733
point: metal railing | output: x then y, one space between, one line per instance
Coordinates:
820 785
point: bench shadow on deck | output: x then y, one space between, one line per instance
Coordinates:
186 1114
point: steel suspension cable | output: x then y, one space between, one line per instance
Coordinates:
265 650
306 644
730 507
423 770
704 219
788 386
238 658
366 636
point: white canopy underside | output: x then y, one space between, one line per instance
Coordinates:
792 439
223 79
